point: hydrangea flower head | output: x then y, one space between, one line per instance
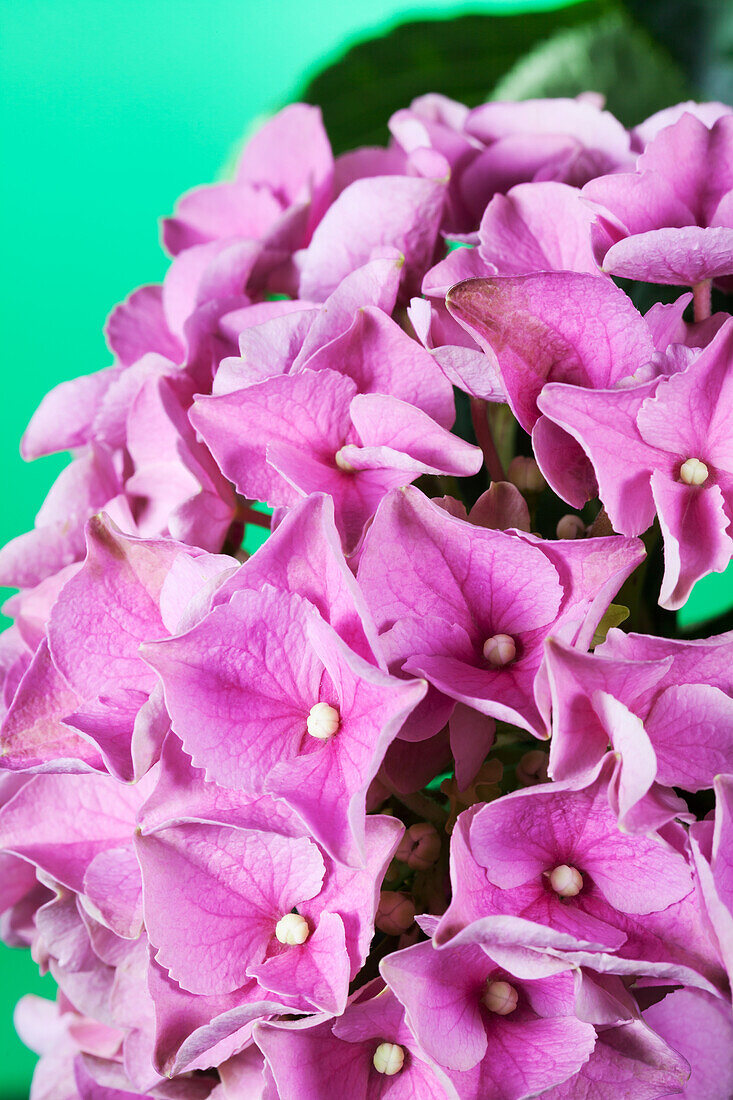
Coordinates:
389 806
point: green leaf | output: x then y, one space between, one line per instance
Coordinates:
615 615
699 35
462 57
612 56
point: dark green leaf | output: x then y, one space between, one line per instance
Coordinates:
615 614
462 57
699 35
610 55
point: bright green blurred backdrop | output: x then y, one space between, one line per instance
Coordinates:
109 111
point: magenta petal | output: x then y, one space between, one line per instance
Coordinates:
691 729
376 284
220 210
138 325
579 738
441 994
504 694
315 975
327 786
629 1060
471 736
112 885
679 257
290 153
381 358
269 681
525 1058
194 1031
386 424
531 831
527 322
689 415
537 227
353 891
81 815
637 760
97 627
305 1060
700 1028
604 424
387 211
563 463
234 886
308 411
64 419
461 264
696 540
34 735
265 351
304 554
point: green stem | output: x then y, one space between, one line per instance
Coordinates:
485 440
424 808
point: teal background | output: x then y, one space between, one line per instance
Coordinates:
109 111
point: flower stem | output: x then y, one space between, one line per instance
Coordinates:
245 513
427 809
701 299
485 439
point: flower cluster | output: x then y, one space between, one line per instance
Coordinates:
390 807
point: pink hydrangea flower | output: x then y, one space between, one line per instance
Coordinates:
454 604
676 695
370 1050
282 823
670 220
668 444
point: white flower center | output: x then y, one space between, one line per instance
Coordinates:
500 649
323 721
388 1059
500 997
292 929
694 472
566 881
343 463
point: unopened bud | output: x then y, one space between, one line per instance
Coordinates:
292 929
500 998
500 650
323 721
694 472
566 881
395 914
532 768
420 846
388 1059
525 474
570 527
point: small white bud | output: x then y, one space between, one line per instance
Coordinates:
566 881
500 649
292 929
388 1059
694 472
323 721
343 463
500 998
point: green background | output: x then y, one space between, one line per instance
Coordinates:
110 109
